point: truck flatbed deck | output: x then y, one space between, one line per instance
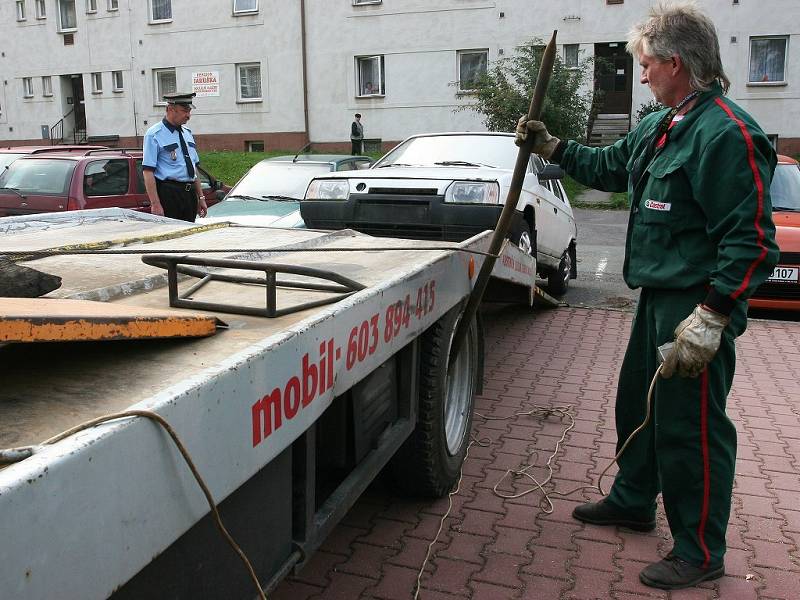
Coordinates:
115 496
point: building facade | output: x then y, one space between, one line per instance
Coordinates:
274 75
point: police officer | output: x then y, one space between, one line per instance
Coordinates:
169 163
700 240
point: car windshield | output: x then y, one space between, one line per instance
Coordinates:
785 188
287 179
8 158
454 150
38 176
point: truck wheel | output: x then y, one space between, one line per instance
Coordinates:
429 462
558 279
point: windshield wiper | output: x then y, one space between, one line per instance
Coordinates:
788 208
16 191
461 163
279 198
396 165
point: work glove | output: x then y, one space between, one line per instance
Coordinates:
544 144
697 340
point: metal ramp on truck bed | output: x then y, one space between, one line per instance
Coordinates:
109 499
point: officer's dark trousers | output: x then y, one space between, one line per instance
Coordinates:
178 200
688 450
356 146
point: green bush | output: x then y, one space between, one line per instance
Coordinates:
504 93
647 108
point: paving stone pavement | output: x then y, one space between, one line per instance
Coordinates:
496 548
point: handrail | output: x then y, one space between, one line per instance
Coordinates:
59 127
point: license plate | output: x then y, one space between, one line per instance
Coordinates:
783 274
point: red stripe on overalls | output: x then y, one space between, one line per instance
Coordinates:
751 158
701 528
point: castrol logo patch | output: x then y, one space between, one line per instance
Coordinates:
656 205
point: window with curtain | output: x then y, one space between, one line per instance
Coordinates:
41 9
161 10
97 83
369 76
116 78
166 83
249 81
571 56
27 87
20 10
91 6
113 4
47 86
768 59
245 6
471 65
66 15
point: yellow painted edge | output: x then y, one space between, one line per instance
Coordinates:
143 239
23 330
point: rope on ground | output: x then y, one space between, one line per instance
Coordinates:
483 442
566 411
147 414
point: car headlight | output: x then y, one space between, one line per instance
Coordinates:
328 189
473 192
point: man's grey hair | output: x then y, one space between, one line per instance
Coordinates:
680 28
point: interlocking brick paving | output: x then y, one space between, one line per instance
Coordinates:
497 548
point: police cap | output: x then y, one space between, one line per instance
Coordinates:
180 98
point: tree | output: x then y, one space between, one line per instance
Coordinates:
647 108
504 93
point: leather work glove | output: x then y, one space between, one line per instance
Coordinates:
697 340
544 144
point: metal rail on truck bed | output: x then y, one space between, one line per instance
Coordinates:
114 508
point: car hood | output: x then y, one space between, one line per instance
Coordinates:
787 234
253 212
410 177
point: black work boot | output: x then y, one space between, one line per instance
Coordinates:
674 573
605 513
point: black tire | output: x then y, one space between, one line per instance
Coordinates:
558 280
429 462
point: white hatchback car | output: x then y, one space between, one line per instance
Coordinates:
450 186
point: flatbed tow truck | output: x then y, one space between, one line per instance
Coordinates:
297 388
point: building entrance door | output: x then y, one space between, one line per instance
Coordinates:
613 74
79 105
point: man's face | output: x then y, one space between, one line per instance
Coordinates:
178 114
659 75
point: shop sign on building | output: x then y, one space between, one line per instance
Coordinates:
205 83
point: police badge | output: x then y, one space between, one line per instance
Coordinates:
174 155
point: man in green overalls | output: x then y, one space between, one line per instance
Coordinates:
700 239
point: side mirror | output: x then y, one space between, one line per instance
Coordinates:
551 172
220 194
217 184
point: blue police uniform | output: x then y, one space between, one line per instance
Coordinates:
170 152
162 152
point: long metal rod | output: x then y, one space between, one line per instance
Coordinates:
504 222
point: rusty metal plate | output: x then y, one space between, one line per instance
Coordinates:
61 320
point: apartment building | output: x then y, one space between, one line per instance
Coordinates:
272 74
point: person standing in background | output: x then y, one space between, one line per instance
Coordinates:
357 135
169 163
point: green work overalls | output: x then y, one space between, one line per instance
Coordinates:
700 231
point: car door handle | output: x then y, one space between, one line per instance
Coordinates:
23 204
555 210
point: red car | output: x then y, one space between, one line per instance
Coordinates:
9 154
80 179
782 290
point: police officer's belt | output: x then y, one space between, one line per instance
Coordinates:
186 186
